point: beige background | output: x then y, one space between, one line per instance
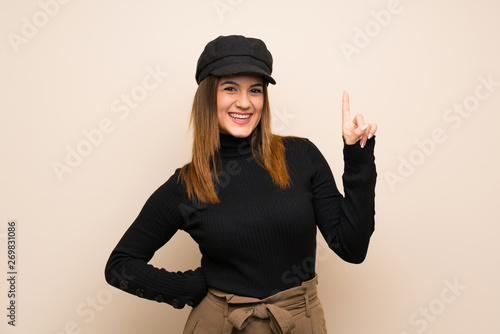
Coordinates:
66 68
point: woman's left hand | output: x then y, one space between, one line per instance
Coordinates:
355 129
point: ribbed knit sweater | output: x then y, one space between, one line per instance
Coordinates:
259 239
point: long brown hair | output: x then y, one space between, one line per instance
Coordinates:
200 174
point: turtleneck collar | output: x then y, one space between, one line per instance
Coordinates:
234 147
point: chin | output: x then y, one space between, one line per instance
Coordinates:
239 133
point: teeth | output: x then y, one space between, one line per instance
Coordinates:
239 116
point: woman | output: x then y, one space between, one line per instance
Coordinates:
252 201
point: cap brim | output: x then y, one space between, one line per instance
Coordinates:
233 69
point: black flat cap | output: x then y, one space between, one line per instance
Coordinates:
228 55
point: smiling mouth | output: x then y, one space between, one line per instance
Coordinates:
239 116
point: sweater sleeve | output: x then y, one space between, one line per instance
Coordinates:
346 222
128 268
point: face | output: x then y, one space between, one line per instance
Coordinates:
240 99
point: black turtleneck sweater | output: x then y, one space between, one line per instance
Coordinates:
258 240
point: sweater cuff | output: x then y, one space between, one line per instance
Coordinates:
196 288
355 153
185 288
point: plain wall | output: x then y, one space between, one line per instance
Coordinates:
427 72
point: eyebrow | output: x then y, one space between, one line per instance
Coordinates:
229 82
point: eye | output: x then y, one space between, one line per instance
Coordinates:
256 90
230 89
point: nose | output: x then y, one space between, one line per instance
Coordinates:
243 102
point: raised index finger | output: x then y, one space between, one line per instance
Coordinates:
346 112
